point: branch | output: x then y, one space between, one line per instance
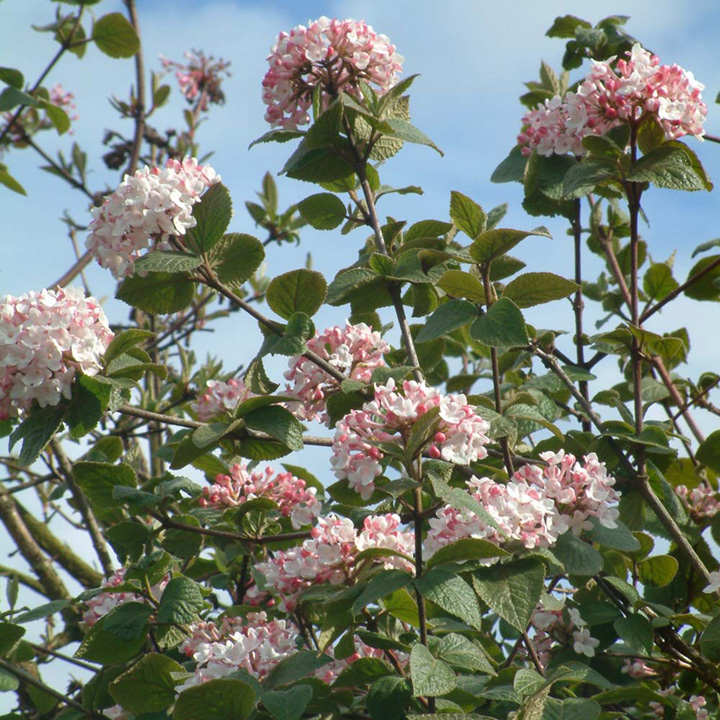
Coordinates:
139 109
88 516
578 304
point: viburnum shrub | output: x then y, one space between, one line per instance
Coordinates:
483 538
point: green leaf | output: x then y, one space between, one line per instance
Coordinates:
466 549
430 677
235 257
257 379
388 697
35 431
296 291
583 177
501 326
10 182
212 215
124 340
571 709
578 557
323 211
449 316
57 116
148 686
115 36
618 538
280 136
97 480
277 422
403 130
512 168
379 586
118 636
566 25
9 635
467 215
658 281
128 539
88 403
535 288
157 293
461 499
512 590
167 261
11 97
450 592
636 631
493 243
671 165
42 611
287 704
12 77
181 602
461 284
346 281
459 651
8 683
709 451
222 699
362 672
299 665
706 288
659 570
710 640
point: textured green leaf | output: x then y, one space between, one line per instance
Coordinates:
167 261
158 292
222 699
287 704
459 284
501 326
457 650
467 215
578 557
671 165
709 451
35 431
511 590
449 316
297 291
181 601
277 422
97 480
430 677
450 592
636 631
324 211
235 257
496 242
212 216
148 686
388 697
535 288
658 570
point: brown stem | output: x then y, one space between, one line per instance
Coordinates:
533 653
677 398
98 541
139 109
77 267
489 300
579 305
616 271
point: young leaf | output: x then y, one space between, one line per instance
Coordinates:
181 601
323 211
430 677
212 215
148 687
35 431
115 36
449 316
671 165
493 243
158 292
501 326
167 261
467 215
460 284
535 288
235 257
221 699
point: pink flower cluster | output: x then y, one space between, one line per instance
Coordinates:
46 337
330 672
355 350
145 210
702 501
291 494
63 99
333 54
219 398
330 554
104 602
200 78
607 97
551 629
253 643
459 436
535 507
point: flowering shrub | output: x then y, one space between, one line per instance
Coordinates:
505 536
46 338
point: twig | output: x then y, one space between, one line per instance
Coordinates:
579 305
139 108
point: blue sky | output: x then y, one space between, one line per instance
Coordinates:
473 57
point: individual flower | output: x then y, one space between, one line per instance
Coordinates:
698 703
291 494
63 99
354 350
637 669
607 97
332 54
46 337
583 643
146 209
329 555
460 435
253 643
200 78
220 397
102 603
